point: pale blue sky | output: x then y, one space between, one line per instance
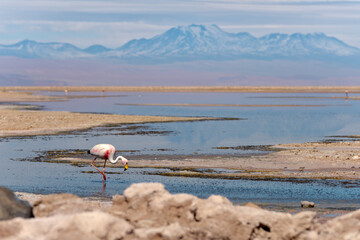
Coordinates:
112 22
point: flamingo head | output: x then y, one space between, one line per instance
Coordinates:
125 162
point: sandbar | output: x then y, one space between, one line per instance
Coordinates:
17 120
14 122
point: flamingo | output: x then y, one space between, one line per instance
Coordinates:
106 152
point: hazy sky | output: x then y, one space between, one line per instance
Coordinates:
113 22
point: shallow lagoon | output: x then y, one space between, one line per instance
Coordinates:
311 117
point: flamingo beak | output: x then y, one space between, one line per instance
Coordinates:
126 167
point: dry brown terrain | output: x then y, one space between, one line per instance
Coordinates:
14 96
17 122
14 122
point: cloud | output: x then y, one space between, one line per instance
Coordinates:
114 22
62 26
107 6
167 7
136 6
286 7
282 27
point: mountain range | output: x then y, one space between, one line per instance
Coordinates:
195 42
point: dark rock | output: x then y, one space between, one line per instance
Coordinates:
11 206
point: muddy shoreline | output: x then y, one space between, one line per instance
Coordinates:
339 161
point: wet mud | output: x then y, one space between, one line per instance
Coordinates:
170 166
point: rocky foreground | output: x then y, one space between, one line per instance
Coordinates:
148 211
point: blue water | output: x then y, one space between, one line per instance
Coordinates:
322 116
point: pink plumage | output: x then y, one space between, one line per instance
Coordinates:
103 151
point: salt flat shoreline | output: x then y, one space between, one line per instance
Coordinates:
18 120
15 122
260 89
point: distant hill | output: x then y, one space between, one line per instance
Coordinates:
33 49
196 42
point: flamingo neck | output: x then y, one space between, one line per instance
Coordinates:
114 160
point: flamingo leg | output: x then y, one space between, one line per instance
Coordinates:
92 164
104 167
